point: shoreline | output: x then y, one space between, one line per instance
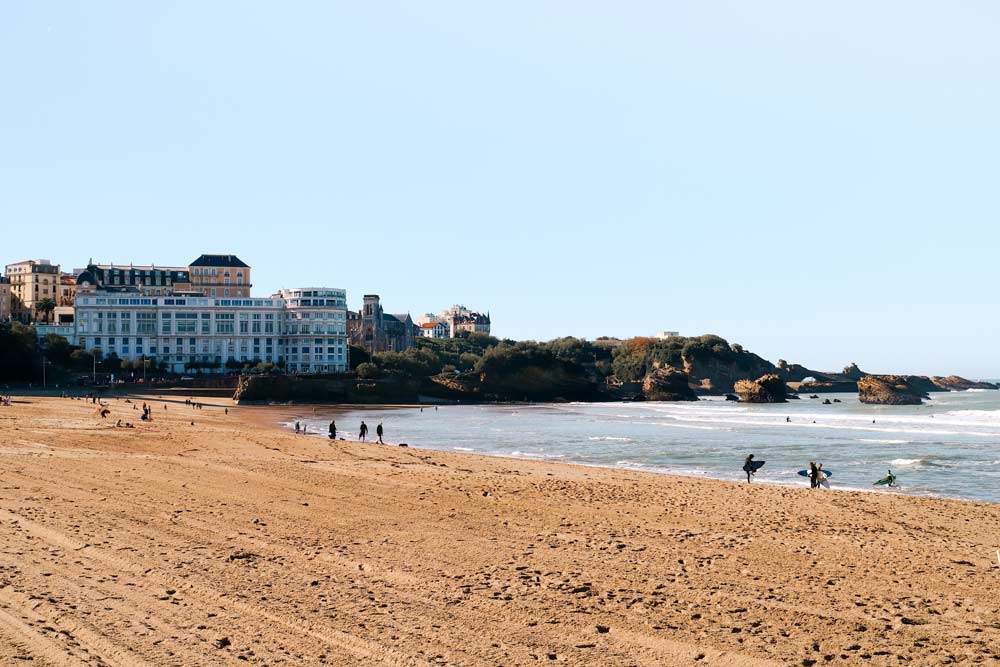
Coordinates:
278 412
157 543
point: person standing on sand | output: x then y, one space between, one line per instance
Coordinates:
364 432
813 475
378 432
298 427
333 430
748 467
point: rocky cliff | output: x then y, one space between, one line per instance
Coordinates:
956 383
769 388
714 375
891 390
324 389
828 387
668 384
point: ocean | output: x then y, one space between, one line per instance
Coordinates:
948 447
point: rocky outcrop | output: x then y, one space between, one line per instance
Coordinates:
324 389
668 384
956 383
716 376
891 390
853 372
538 382
828 387
769 388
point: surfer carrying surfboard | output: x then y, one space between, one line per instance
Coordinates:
813 475
888 480
751 467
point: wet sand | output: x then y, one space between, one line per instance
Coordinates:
232 541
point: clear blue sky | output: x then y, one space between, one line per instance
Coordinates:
815 181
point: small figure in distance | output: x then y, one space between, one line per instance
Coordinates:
378 432
788 420
298 427
363 433
333 430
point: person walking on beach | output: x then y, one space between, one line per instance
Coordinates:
298 427
748 467
333 430
378 432
813 475
364 431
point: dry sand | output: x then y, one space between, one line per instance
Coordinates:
228 541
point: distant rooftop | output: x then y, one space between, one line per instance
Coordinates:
220 260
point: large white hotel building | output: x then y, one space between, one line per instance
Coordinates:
304 328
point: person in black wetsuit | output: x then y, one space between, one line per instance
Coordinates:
333 430
748 467
363 432
378 432
813 475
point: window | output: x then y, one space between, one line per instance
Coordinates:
206 323
187 323
145 323
166 323
224 323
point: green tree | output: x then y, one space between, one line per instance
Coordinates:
367 370
19 354
57 349
45 307
357 356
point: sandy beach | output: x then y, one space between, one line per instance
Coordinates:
231 541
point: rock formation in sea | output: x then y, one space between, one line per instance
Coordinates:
891 390
956 383
769 388
668 384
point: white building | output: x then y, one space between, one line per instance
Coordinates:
435 329
314 335
304 328
458 319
